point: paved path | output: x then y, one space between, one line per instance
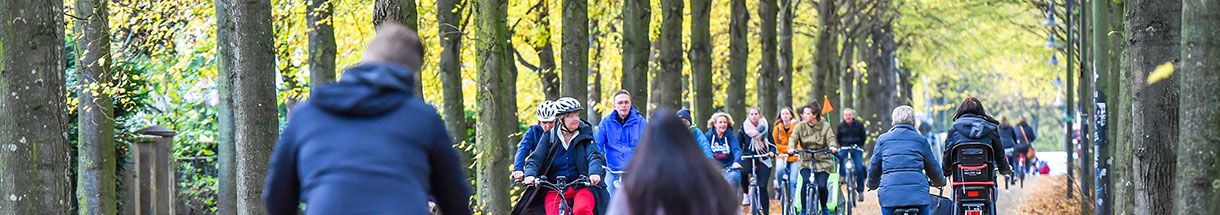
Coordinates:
1008 202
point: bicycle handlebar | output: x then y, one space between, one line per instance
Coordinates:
607 168
852 147
542 182
768 154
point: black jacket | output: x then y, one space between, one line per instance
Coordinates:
851 134
1006 136
366 145
974 128
539 164
1023 140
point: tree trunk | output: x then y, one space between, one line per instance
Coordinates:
403 12
451 76
35 164
667 94
1103 200
494 78
321 42
226 183
546 54
595 91
95 190
825 49
739 52
1154 39
767 72
576 50
784 82
636 20
1198 154
847 80
1124 195
255 121
881 80
701 60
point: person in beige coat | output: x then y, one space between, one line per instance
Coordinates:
815 134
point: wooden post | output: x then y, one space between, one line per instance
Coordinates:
154 152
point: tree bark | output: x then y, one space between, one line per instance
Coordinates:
403 12
701 60
1154 32
1103 201
35 165
1124 194
767 72
595 91
669 95
739 52
636 21
825 49
255 121
783 83
321 42
95 179
546 54
881 80
226 183
451 76
1196 190
576 50
494 78
847 83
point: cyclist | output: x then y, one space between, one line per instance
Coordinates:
568 151
784 124
617 134
724 147
684 114
546 121
669 175
1006 138
972 124
1024 136
756 141
903 165
851 133
815 134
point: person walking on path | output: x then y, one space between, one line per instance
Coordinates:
668 175
405 154
903 166
851 133
568 151
618 133
684 114
815 134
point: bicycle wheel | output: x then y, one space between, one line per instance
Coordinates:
754 199
851 190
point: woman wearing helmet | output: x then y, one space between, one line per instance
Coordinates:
546 121
568 151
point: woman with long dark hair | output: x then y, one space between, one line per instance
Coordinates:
670 175
972 124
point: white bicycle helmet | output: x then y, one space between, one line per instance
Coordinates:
566 105
545 111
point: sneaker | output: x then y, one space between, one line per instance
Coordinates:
861 197
745 199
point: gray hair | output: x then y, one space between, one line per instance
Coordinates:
904 115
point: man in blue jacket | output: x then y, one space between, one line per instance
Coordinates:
366 145
617 135
903 166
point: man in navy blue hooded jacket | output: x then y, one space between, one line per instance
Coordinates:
367 145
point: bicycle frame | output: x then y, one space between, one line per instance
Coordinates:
754 195
812 192
560 187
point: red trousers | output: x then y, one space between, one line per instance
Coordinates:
580 201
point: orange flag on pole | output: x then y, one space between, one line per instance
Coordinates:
826 108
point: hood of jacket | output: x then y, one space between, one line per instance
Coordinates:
370 89
975 126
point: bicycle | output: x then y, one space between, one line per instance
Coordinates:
812 194
559 186
785 186
618 181
755 198
849 168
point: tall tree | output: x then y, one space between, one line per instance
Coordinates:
1154 32
669 95
636 22
768 71
1103 203
881 80
825 49
35 174
255 120
1124 195
450 70
95 190
595 91
701 60
401 11
739 20
546 53
496 105
226 183
321 42
783 82
576 49
1198 154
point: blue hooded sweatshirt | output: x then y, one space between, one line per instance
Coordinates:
528 141
902 166
618 140
366 145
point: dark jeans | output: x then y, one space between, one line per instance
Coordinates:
857 162
764 181
819 180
